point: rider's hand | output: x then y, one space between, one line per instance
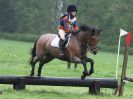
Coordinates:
71 23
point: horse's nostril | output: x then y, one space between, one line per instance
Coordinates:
94 52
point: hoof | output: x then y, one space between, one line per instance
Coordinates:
38 75
68 68
85 73
31 75
83 77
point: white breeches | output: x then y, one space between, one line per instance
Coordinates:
62 34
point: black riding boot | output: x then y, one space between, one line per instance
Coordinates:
61 47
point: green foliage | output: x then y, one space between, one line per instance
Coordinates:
36 17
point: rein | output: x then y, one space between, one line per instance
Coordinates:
84 49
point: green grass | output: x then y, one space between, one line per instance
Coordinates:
13 61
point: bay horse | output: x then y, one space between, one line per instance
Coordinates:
76 51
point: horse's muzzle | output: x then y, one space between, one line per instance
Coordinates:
94 52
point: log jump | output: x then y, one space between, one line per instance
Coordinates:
94 84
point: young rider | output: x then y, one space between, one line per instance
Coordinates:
68 23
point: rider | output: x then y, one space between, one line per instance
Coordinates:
68 24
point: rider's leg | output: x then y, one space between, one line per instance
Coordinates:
61 47
61 42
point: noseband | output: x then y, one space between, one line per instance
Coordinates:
90 44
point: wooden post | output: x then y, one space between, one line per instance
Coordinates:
95 88
123 76
20 84
124 67
120 88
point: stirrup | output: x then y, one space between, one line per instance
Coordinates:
62 54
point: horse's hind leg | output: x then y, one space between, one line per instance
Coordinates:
75 66
68 65
47 59
33 65
40 67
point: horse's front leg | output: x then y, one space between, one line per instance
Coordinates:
92 65
85 72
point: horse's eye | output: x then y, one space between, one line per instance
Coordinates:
93 38
98 39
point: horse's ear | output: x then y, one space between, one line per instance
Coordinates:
93 31
100 31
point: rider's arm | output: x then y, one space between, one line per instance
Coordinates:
75 26
62 24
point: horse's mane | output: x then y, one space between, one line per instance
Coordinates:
82 28
85 28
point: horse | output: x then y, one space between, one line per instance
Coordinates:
75 52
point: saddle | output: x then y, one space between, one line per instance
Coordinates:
55 42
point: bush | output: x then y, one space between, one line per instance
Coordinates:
19 37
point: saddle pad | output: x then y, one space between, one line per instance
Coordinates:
55 42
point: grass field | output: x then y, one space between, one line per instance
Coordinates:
13 61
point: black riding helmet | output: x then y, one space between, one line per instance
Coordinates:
71 8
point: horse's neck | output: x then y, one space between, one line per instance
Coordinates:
73 44
84 50
83 46
78 45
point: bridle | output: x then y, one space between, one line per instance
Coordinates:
90 45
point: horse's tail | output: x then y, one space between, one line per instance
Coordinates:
33 54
